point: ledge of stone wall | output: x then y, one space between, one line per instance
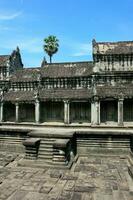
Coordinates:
51 134
31 142
31 148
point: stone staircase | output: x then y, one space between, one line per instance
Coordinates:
45 152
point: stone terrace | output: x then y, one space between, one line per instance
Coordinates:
91 178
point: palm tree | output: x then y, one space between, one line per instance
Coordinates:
51 46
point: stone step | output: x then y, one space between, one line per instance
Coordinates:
30 151
56 153
9 137
59 163
45 154
45 149
47 141
45 161
59 160
10 140
46 146
44 157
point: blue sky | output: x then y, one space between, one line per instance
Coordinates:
25 23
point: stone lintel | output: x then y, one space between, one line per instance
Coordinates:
51 134
62 143
31 142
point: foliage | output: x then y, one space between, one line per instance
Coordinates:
51 46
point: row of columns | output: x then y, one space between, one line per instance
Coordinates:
37 112
95 112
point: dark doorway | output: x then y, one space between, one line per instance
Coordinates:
52 112
80 112
9 112
27 112
109 111
128 110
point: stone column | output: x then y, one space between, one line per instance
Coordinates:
95 112
66 112
17 112
37 111
92 112
120 112
7 72
1 111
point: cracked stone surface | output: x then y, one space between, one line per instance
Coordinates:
91 178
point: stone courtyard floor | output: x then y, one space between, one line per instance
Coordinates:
91 178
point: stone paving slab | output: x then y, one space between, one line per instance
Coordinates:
91 178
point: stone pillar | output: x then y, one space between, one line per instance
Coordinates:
92 112
7 72
95 112
120 112
37 111
1 111
66 112
17 112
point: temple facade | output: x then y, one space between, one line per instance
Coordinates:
98 92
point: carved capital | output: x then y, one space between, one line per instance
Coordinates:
66 101
95 98
17 104
121 97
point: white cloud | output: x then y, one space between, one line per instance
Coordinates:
9 16
77 48
32 46
21 1
83 50
29 45
4 28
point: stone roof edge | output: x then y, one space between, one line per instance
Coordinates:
94 42
57 63
8 55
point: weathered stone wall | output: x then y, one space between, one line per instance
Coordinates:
93 144
11 141
115 66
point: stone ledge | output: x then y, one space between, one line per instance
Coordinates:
42 164
104 132
51 134
31 142
62 143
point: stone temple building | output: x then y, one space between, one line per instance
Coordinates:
66 129
96 92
